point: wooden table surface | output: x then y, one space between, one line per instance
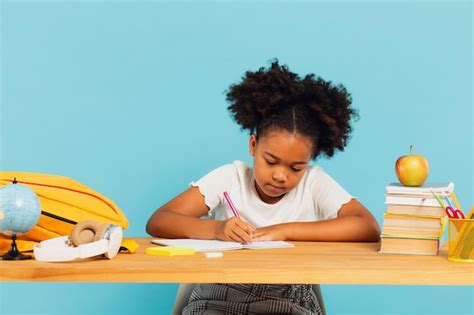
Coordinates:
308 262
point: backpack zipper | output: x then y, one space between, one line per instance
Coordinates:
64 188
54 216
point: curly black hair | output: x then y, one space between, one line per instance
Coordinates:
278 99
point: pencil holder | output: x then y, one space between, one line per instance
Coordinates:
461 240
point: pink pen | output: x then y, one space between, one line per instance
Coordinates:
232 207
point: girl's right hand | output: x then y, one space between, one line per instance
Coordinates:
234 230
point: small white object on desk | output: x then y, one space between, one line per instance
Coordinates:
214 254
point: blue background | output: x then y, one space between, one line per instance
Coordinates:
129 98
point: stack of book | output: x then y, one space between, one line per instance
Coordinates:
414 222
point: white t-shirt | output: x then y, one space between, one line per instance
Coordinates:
316 197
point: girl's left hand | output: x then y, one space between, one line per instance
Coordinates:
269 233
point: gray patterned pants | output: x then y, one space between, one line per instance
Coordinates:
215 298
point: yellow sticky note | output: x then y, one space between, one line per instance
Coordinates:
169 251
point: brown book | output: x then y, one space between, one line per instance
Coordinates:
411 226
413 246
416 210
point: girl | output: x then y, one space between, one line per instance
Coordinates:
292 121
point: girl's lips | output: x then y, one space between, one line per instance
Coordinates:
277 189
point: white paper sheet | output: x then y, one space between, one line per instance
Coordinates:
216 245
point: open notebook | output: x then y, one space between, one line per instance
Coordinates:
215 245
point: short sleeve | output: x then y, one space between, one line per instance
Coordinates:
213 184
329 196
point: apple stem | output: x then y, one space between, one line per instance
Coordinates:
411 146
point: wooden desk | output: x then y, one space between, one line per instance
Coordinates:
308 262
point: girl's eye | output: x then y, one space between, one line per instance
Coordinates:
296 169
270 162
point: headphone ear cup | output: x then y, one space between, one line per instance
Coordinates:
99 233
84 232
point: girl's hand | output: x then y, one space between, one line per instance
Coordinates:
234 230
269 233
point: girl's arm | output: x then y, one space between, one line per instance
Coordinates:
180 218
354 223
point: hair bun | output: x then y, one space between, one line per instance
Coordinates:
261 94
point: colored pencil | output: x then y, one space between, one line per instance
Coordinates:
231 204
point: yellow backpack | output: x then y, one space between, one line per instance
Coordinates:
64 202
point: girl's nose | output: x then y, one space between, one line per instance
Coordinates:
279 175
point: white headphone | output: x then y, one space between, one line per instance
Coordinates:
88 239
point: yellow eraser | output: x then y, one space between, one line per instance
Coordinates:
130 245
169 251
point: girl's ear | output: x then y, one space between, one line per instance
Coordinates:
252 144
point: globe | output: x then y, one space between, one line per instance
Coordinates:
20 210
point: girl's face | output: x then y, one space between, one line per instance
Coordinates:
280 160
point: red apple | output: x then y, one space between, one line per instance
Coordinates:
412 170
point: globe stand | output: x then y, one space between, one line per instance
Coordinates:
14 253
